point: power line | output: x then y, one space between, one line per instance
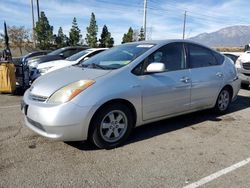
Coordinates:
172 6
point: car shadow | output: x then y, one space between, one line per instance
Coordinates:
162 127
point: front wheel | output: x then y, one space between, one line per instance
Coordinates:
223 101
111 126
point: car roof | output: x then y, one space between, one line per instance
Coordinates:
95 49
72 47
162 42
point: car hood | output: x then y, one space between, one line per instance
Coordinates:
56 63
49 83
245 57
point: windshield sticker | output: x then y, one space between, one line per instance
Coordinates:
145 46
126 62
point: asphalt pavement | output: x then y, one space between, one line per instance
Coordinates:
177 152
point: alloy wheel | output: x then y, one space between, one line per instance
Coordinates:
224 100
113 126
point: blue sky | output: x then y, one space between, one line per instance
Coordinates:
165 17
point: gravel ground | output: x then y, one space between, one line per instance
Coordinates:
169 153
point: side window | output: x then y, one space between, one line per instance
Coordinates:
200 56
78 50
172 55
94 53
220 58
69 52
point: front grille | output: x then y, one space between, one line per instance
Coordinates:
246 65
35 124
246 74
38 98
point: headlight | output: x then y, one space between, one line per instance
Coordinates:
44 70
238 64
70 91
33 64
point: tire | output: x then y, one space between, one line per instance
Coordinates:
244 86
223 101
111 126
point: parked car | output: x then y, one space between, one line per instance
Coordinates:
243 68
61 53
23 59
22 69
108 95
72 60
232 57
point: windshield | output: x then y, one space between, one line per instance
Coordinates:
56 52
117 57
77 55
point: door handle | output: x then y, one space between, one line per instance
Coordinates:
185 79
219 74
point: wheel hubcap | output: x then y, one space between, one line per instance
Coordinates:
224 100
113 126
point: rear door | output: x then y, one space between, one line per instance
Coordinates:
206 75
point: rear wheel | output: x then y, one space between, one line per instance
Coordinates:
244 86
111 126
223 101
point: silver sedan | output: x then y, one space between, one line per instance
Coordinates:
108 95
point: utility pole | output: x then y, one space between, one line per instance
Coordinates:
145 19
38 11
33 22
184 25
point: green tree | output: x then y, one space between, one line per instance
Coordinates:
74 34
66 40
106 40
60 38
43 32
128 37
91 36
141 34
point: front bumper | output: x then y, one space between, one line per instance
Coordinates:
236 88
67 122
244 76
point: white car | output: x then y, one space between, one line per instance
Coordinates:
243 67
50 66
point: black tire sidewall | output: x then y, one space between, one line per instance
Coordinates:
95 134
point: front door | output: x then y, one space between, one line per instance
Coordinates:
166 93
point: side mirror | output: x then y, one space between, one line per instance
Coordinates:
61 55
155 67
86 58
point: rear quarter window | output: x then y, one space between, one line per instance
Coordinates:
220 58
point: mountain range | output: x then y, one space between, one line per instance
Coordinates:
234 36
